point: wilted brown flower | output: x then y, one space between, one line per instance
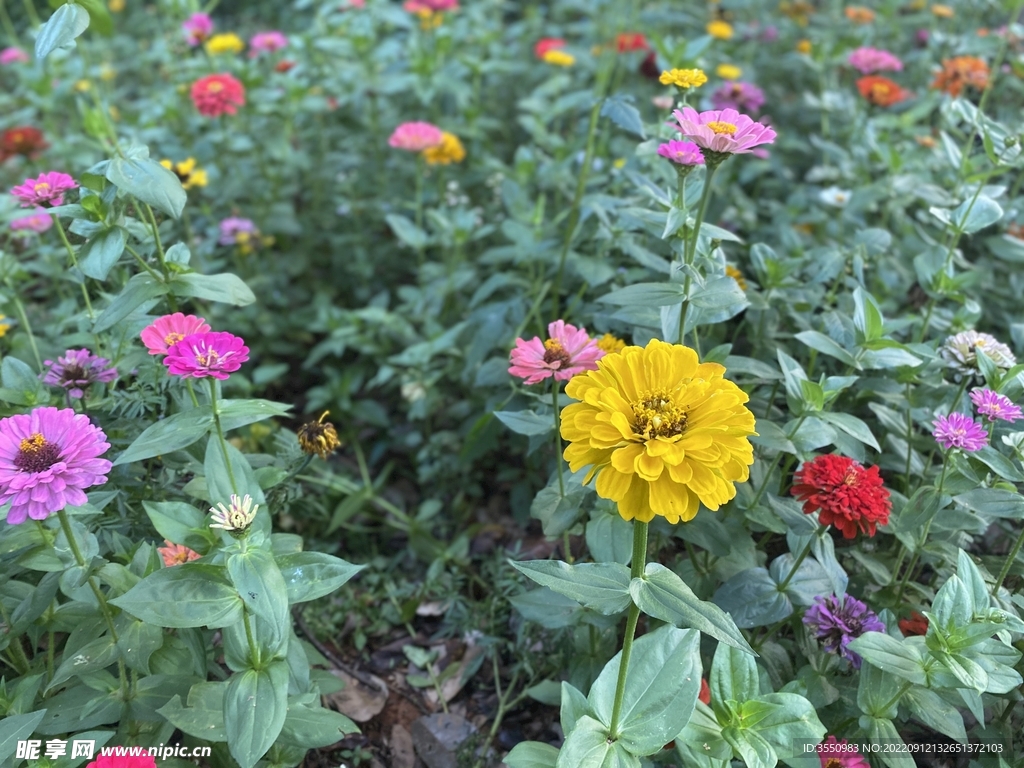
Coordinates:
318 437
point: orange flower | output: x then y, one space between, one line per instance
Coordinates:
915 625
881 91
859 14
961 71
176 554
631 41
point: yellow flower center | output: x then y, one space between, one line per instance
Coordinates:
215 88
209 359
719 127
657 415
554 352
36 454
41 187
173 338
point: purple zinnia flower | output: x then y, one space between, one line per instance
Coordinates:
197 28
995 406
231 227
266 42
77 370
39 221
837 621
47 190
959 431
47 460
745 97
681 152
217 354
867 61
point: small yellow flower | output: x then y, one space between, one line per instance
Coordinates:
429 19
611 344
619 163
559 58
107 73
729 72
736 275
683 78
942 11
318 437
4 326
116 6
187 173
449 151
720 29
228 42
82 85
804 47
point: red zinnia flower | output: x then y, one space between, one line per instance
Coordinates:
848 496
881 91
704 697
649 66
915 625
284 65
546 44
631 41
216 95
23 140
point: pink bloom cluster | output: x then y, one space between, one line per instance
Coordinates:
994 406
37 221
47 190
867 61
430 6
77 370
959 431
681 152
416 136
13 56
567 351
168 330
745 96
191 350
266 42
723 131
197 28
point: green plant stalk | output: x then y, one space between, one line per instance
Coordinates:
910 437
8 25
142 262
254 651
558 461
33 15
220 435
19 309
924 535
504 705
691 251
420 170
1010 559
18 655
192 392
74 263
802 556
636 570
161 255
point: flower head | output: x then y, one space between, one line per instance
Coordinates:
834 196
13 55
840 754
216 95
232 227
123 761
736 275
724 132
4 326
430 6
959 431
721 30
681 152
683 78
188 174
960 351
37 221
728 72
176 554
567 351
558 58
23 140
47 459
704 696
942 11
837 621
662 432
916 624
803 46
77 370
858 14
960 72
168 330
626 42
266 42
745 97
848 495
227 42
610 344
868 61
546 44
449 151
415 137
881 91
237 516
199 355
995 406
47 190
197 28
318 437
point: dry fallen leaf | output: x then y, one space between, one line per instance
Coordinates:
358 700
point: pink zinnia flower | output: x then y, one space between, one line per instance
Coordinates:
960 431
867 61
266 42
745 96
197 28
838 754
430 6
723 131
48 190
47 459
77 370
123 761
353 4
13 56
995 406
681 152
38 221
168 330
415 137
567 351
176 554
199 355
216 95
546 44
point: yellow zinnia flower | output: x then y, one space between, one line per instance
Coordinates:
804 46
115 6
720 29
942 11
559 58
4 326
729 72
82 85
449 151
228 42
187 173
611 344
683 78
736 275
662 431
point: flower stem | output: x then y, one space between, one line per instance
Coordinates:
924 536
18 656
254 651
690 250
19 308
1010 558
636 570
566 544
74 263
220 434
419 203
801 557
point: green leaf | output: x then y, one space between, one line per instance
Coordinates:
310 575
993 502
574 705
240 413
255 708
662 594
734 676
225 288
852 426
526 422
809 581
601 586
790 723
915 514
101 253
99 16
610 538
531 754
876 692
618 109
935 712
137 641
314 727
866 317
15 728
883 731
999 464
827 346
137 291
169 435
750 747
67 22
645 295
753 599
261 585
149 182
187 595
406 231
100 653
896 657
218 480
972 215
204 716
588 746
176 521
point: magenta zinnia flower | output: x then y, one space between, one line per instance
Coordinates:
415 137
739 96
867 61
168 330
837 621
48 190
995 406
681 152
266 42
38 221
47 460
13 56
840 754
723 131
960 431
232 227
567 351
199 355
197 28
77 370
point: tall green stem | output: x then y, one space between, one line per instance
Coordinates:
420 170
691 249
566 544
254 651
19 309
220 435
924 535
636 570
801 557
74 262
1010 558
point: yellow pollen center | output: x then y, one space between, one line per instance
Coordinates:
215 88
554 352
172 338
33 444
720 127
210 358
41 187
657 415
